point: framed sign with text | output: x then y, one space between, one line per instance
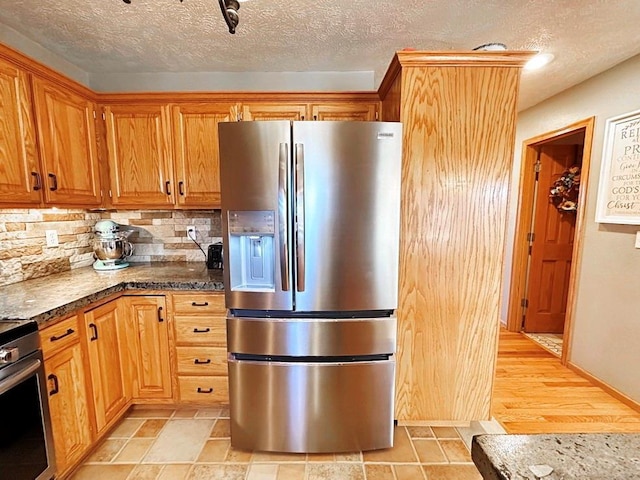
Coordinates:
619 187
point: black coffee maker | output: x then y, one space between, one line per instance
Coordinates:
214 256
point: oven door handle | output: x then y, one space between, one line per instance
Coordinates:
24 373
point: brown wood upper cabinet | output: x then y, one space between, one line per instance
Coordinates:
67 142
359 111
139 154
195 142
20 177
345 111
274 111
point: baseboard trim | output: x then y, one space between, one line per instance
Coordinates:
628 401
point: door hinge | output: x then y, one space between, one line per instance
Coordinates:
524 303
531 237
530 249
536 168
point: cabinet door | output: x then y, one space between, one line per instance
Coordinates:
274 111
68 404
66 132
109 394
148 345
139 155
20 177
195 135
345 111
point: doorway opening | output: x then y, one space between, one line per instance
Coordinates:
549 225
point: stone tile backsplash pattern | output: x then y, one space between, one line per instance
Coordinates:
155 235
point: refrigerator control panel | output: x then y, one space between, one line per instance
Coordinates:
260 221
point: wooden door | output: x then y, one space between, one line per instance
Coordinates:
67 142
139 152
344 111
274 111
552 246
68 405
195 141
148 343
20 177
103 342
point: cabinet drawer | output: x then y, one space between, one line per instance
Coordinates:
204 390
202 360
201 330
57 337
196 303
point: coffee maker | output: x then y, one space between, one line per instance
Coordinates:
110 246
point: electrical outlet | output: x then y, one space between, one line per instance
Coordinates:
191 232
51 237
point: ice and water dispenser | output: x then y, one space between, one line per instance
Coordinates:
251 250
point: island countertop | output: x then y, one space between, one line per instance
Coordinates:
44 298
579 456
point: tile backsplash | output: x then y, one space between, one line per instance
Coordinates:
155 235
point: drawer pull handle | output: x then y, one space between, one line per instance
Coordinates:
160 317
202 390
56 389
197 361
201 330
54 182
60 337
167 187
94 335
196 304
38 180
181 188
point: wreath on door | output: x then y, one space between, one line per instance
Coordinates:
564 191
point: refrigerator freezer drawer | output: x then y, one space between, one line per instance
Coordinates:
301 337
311 407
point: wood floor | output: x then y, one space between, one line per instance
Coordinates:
534 393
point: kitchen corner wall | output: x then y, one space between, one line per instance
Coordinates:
156 235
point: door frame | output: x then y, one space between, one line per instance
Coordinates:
524 217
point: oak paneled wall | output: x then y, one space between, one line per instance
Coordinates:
459 128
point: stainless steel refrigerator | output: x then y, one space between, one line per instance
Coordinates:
310 215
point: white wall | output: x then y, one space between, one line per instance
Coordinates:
606 330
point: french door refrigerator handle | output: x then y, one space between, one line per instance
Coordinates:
300 264
283 194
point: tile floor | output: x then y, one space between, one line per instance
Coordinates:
194 444
551 342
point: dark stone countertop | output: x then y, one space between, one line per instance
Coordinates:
45 298
584 456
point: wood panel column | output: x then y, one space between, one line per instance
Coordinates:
458 111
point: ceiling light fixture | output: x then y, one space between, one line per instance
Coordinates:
539 61
229 10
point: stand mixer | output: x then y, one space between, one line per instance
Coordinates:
110 246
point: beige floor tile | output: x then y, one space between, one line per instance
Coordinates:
235 455
142 411
291 471
349 457
181 440
134 450
224 412
222 428
409 472
263 457
126 428
420 432
151 428
218 472
107 450
451 472
429 451
185 413
145 472
214 451
208 412
334 471
175 472
321 457
402 452
456 451
103 472
378 472
445 432
262 471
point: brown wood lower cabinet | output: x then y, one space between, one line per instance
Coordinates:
67 394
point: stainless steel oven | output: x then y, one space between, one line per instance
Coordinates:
26 444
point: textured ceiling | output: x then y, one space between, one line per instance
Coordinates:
99 36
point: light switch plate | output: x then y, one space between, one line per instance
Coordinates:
52 238
637 239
